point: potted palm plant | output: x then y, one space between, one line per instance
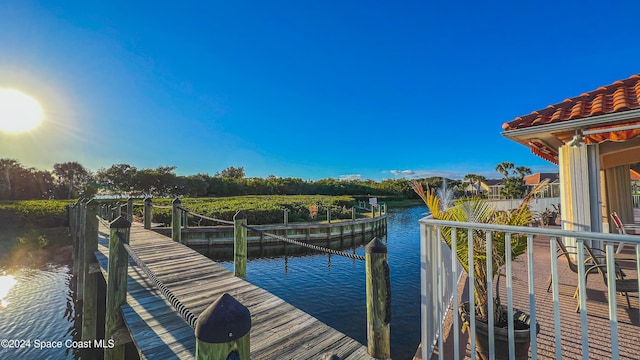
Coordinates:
480 211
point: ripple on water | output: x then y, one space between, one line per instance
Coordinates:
38 308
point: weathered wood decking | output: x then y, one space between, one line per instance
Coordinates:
278 331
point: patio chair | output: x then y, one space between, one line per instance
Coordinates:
623 228
563 250
623 286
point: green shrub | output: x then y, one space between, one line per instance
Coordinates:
264 209
39 213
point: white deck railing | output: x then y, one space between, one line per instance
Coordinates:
439 283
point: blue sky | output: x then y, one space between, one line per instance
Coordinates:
302 89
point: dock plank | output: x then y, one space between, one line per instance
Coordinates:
279 330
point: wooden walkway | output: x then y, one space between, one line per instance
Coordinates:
278 331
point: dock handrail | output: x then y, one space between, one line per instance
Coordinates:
182 310
206 326
309 246
206 217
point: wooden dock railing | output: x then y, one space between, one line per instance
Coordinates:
222 330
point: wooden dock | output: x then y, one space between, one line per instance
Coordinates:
278 329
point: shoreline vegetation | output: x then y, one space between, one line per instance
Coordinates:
71 180
19 215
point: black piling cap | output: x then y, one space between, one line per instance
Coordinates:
239 215
375 246
119 223
176 201
147 200
223 321
330 357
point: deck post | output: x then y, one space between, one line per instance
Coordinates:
222 330
286 217
130 209
185 220
176 234
73 227
116 284
118 210
328 215
240 244
378 289
148 206
353 213
90 298
82 211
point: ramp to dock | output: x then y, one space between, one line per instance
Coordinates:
278 329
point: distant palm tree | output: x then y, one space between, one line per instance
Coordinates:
475 180
523 171
504 167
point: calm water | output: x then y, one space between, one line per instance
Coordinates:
36 300
332 289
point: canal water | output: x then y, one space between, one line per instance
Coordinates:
332 288
36 294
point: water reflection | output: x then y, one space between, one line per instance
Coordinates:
6 283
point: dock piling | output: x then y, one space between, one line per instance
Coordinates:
378 289
240 244
80 251
73 224
222 330
116 284
148 206
176 232
130 209
90 298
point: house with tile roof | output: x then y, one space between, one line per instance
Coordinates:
552 189
593 138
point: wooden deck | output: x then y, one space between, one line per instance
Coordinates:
278 331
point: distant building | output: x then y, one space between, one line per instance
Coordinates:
552 189
494 188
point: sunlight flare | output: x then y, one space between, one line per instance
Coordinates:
18 112
6 283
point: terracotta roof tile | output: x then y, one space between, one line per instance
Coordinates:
622 95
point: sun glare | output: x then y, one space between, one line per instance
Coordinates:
18 112
6 283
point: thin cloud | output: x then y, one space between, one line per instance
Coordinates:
349 177
402 172
458 174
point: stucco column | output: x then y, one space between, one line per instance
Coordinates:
580 188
